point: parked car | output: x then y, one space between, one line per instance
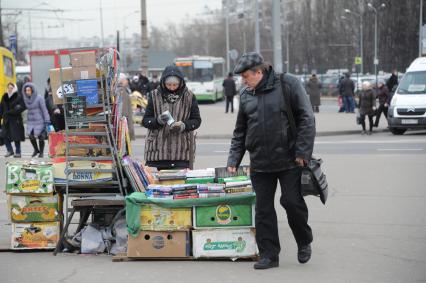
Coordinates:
408 105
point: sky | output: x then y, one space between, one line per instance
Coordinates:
117 14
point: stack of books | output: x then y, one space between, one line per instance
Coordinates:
171 177
159 191
184 191
238 185
200 176
211 190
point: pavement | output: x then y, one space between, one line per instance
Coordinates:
216 124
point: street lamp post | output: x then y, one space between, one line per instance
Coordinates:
227 36
376 59
361 40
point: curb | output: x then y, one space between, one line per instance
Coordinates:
319 134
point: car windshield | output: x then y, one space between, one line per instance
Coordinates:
413 83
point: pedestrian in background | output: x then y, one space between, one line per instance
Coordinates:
171 117
56 112
393 80
367 107
230 90
154 83
123 92
347 88
383 97
262 129
340 101
11 107
37 118
313 88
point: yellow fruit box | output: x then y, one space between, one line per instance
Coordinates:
27 236
156 218
33 208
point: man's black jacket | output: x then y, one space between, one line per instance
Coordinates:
262 126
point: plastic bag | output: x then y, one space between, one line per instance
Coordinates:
92 241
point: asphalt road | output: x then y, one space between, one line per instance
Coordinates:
373 228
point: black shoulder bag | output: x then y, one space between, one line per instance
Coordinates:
313 180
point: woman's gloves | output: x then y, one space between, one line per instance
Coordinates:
162 119
178 126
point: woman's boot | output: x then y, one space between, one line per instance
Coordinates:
41 146
34 144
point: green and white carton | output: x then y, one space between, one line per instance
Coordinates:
223 216
228 243
29 178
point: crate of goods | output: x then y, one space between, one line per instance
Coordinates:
33 208
38 235
159 244
55 82
153 217
59 166
28 178
224 216
57 144
83 65
229 243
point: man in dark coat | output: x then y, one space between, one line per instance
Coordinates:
11 107
262 128
347 88
229 89
393 80
383 97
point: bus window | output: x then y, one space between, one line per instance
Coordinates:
218 71
8 67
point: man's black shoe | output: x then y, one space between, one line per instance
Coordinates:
304 253
265 263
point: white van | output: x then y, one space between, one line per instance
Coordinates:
408 106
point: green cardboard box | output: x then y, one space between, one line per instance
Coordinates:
27 178
224 215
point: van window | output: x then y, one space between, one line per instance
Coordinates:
413 83
8 66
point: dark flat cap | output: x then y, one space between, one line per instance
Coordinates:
248 61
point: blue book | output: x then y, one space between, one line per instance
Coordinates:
89 89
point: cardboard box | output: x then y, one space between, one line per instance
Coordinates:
60 176
88 89
84 73
83 59
33 208
26 236
57 144
232 243
157 218
159 244
224 216
55 82
26 178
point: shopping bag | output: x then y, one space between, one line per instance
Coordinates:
313 181
358 117
236 103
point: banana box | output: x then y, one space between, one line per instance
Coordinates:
59 166
224 216
33 208
27 236
29 178
228 243
156 218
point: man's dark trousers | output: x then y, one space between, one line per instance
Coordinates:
265 185
229 100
